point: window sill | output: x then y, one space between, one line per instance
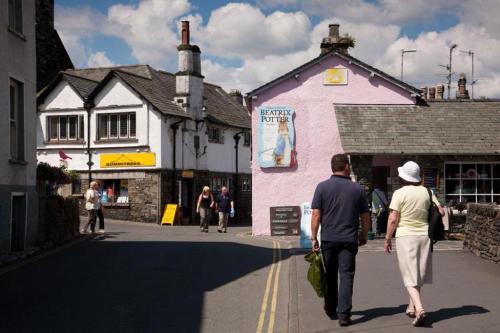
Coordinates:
17 33
18 162
115 204
215 141
64 142
117 141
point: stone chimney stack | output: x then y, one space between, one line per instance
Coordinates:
188 79
432 93
236 96
462 92
440 92
424 91
334 41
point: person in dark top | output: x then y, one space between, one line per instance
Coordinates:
204 208
225 206
337 205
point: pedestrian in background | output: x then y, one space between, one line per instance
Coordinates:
98 210
409 218
380 210
91 204
224 206
337 205
204 208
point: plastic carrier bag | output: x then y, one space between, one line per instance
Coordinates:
316 274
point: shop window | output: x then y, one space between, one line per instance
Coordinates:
116 126
216 183
472 182
64 128
214 135
16 15
246 139
114 191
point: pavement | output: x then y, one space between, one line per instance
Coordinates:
146 278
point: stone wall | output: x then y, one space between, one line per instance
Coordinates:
482 231
144 198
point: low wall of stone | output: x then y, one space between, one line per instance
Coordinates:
482 231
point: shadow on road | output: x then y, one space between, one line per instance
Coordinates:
449 313
369 314
117 286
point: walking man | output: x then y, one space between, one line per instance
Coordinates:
225 206
91 202
337 205
98 210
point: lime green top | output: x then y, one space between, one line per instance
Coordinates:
412 203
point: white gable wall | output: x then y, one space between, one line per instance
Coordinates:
62 97
116 93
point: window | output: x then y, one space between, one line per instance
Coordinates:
65 128
246 139
116 126
16 15
472 182
114 190
246 185
216 183
16 119
214 135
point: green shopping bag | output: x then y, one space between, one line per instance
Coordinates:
316 274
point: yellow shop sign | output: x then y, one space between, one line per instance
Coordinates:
336 76
129 160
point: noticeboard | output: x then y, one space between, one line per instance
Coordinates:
285 221
169 214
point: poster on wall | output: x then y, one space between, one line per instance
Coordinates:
305 226
335 76
276 137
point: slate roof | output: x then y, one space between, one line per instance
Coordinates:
447 127
411 89
157 87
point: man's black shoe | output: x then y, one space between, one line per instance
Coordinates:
331 314
345 322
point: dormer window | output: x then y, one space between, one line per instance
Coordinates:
65 128
116 126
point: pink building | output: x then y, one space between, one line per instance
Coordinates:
323 95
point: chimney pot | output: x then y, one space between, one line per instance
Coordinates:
185 33
334 30
440 92
424 91
432 93
236 96
462 92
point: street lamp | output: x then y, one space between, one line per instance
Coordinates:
449 69
403 51
472 82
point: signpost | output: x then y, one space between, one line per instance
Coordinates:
285 221
169 214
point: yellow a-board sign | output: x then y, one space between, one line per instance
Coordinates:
169 214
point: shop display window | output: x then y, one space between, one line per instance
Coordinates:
472 182
114 191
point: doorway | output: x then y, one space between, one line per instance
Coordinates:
187 200
380 176
18 222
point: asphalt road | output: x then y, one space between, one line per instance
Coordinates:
139 278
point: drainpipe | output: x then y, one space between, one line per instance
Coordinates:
174 127
236 138
88 105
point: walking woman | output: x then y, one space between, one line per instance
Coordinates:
204 208
409 212
91 205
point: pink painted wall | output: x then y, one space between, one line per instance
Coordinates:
317 136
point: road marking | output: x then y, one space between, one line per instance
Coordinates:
263 308
274 301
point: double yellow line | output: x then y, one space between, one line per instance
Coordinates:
274 273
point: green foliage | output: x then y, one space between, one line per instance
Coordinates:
58 219
47 173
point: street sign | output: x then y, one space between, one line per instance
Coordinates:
285 221
169 214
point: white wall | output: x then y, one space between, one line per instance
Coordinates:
63 97
221 156
116 93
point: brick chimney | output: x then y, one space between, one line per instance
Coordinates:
462 92
440 92
432 93
334 41
236 96
188 79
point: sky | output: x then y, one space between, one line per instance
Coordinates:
246 44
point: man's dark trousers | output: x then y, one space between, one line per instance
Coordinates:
100 215
340 261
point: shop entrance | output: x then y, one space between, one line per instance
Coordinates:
380 175
187 200
18 222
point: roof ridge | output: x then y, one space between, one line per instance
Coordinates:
108 67
79 77
129 73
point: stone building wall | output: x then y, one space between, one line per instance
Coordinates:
482 231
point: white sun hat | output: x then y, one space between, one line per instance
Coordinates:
410 171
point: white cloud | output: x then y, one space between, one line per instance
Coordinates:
99 59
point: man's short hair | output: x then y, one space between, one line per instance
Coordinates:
339 161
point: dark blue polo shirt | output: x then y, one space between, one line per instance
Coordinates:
224 203
341 201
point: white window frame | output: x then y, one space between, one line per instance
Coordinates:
118 136
80 121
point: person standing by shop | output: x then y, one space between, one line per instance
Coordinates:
91 204
380 210
204 208
224 206
408 217
98 210
337 205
